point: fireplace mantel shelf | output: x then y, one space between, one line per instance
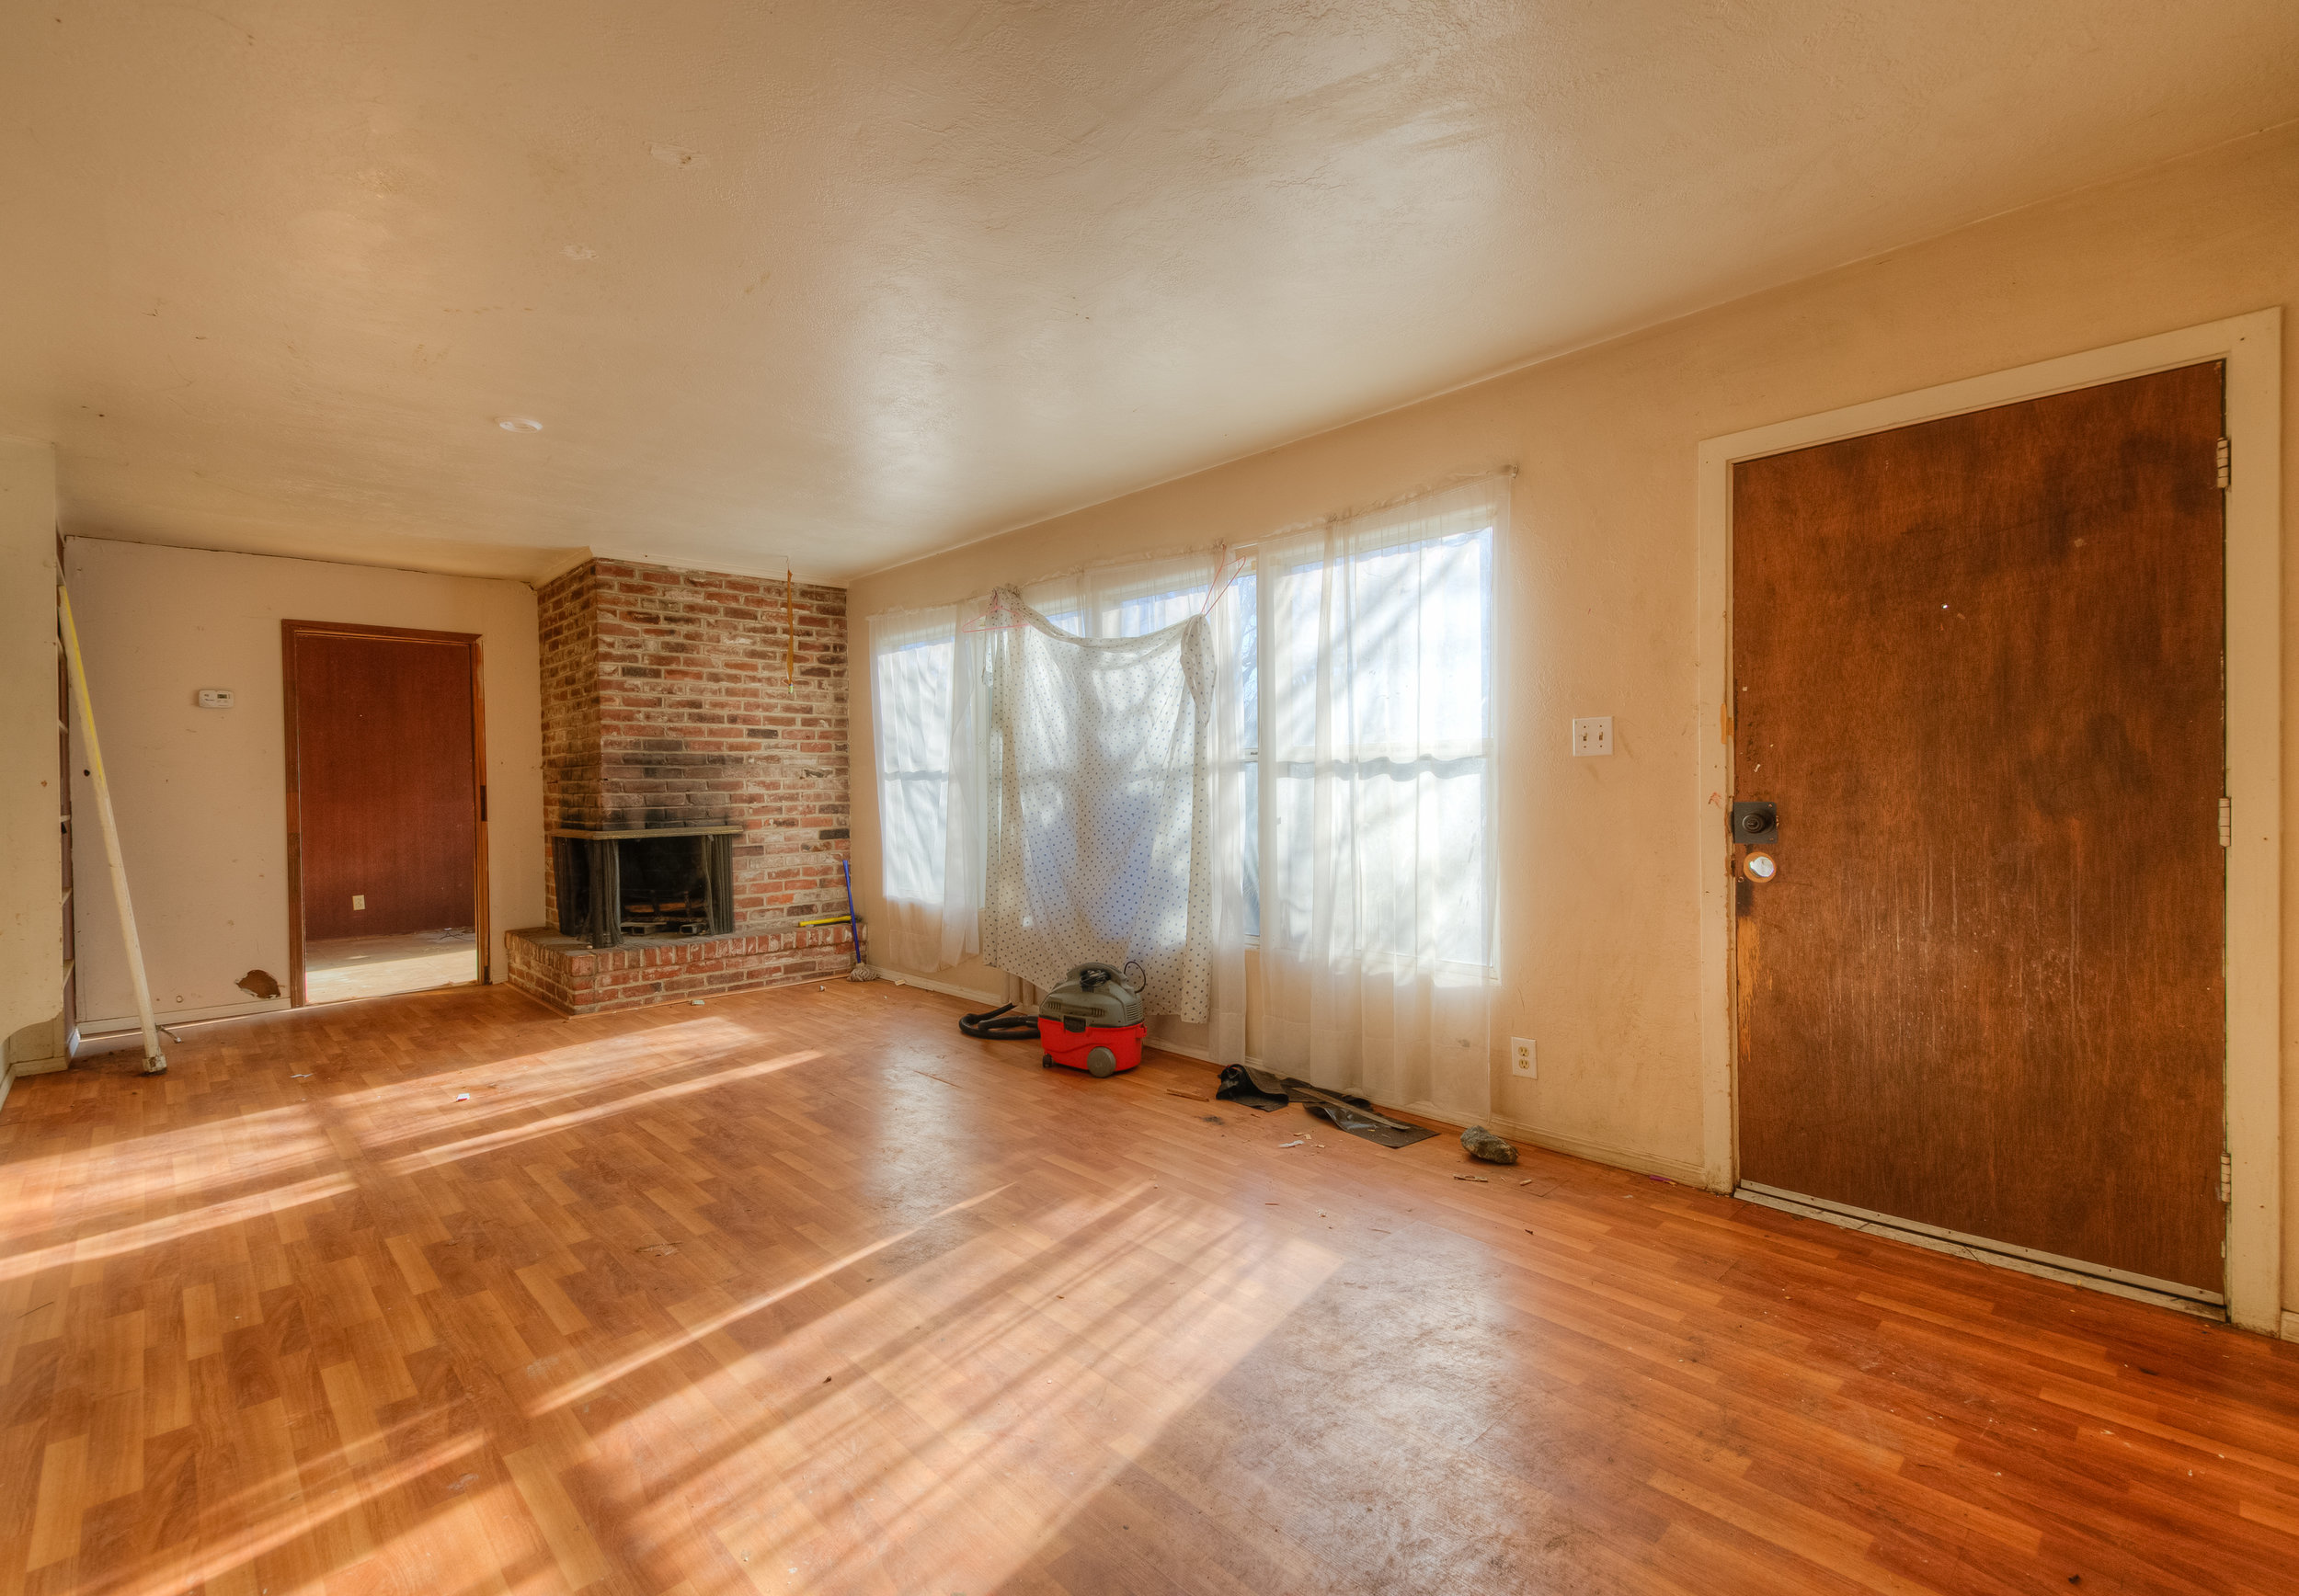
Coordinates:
639 831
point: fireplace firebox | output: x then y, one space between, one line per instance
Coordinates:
667 881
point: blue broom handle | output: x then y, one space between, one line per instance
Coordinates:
854 926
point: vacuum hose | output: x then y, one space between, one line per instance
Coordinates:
997 1025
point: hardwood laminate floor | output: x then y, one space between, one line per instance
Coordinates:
801 1291
347 967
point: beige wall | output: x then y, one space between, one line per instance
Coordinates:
200 794
31 923
1600 921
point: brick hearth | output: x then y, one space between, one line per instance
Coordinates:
566 973
667 700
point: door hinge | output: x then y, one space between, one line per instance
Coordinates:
2223 463
2226 1177
2227 823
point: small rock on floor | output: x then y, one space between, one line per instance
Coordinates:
1482 1144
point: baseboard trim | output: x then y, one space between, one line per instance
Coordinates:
904 978
1683 1171
104 1035
1191 1050
2291 1326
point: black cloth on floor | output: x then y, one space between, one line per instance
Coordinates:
1258 1089
1373 1127
1252 1088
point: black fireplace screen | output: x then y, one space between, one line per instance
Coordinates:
642 884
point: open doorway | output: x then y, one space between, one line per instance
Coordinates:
386 811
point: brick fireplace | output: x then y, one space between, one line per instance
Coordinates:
670 706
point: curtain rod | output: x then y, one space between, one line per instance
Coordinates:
1174 552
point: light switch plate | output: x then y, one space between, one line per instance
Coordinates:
1592 735
1521 1056
359 900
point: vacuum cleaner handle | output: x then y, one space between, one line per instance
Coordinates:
1092 975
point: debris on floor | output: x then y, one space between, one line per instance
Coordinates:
1481 1180
1483 1144
462 1097
659 1250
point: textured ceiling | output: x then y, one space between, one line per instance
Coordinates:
846 282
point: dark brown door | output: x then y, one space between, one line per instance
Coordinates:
1978 668
383 786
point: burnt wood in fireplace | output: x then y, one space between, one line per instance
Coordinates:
662 881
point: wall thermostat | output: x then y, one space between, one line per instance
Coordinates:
215 698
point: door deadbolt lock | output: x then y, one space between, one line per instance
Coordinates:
1756 824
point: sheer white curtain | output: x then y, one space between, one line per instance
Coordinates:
1134 599
926 715
929 720
1378 924
1100 823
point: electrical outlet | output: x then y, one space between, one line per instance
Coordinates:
1592 735
1521 1056
359 900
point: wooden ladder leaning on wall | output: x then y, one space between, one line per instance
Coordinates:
155 1061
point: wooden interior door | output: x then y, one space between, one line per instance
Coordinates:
1977 667
384 804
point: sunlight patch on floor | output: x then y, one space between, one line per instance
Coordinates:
130 1238
922 1405
496 1140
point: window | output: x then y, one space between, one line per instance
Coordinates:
1380 747
912 657
1132 601
1359 654
1248 588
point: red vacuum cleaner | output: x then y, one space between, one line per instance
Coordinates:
1091 1021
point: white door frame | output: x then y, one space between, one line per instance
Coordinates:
2251 347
